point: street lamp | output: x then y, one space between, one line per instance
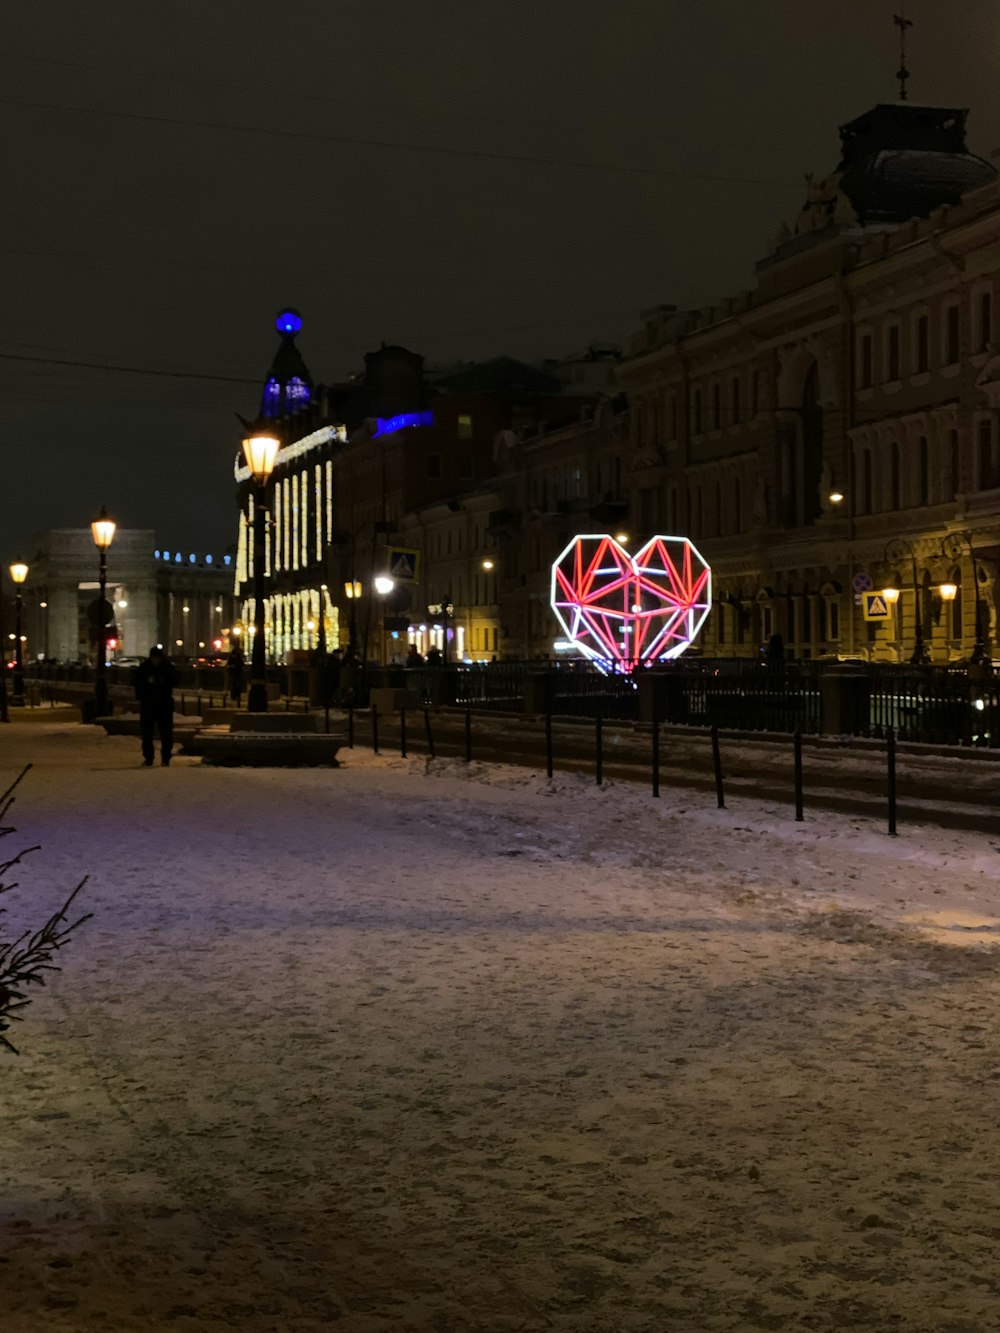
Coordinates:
352 591
103 532
18 573
953 545
896 551
384 585
260 448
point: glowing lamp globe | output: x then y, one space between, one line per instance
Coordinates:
103 530
621 610
18 572
260 450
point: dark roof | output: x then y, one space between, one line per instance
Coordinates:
900 161
503 374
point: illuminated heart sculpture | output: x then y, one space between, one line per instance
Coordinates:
621 609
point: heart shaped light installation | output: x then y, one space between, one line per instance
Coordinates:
620 609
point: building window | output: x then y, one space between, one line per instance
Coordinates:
716 407
696 412
465 428
755 393
956 463
952 341
737 506
865 361
924 464
673 417
894 477
892 353
984 328
833 620
923 340
433 465
866 482
465 464
734 402
988 478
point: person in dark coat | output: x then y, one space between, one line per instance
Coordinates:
236 674
154 682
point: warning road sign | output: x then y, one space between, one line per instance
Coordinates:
875 607
404 564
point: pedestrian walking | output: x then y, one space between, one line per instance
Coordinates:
154 682
236 674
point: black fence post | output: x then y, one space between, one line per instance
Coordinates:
375 728
548 743
402 733
599 744
350 728
797 742
468 735
430 734
717 763
656 757
890 756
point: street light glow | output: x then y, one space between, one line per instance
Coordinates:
384 585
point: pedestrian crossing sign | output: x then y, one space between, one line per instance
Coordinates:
404 564
874 606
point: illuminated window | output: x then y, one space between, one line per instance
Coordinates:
295 521
304 501
465 428
285 518
318 505
279 527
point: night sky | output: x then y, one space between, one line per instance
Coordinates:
674 137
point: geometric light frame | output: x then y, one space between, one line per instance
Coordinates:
621 610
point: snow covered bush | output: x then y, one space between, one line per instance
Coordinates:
25 958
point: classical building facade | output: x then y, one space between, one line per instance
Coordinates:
831 430
183 600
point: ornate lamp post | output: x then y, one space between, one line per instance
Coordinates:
103 531
384 585
953 546
18 573
895 552
260 449
352 591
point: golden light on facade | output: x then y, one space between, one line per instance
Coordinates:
487 564
836 498
352 589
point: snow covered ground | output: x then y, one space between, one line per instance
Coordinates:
428 1047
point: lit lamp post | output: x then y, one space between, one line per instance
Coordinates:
895 552
383 586
352 591
890 596
18 573
260 449
953 546
103 531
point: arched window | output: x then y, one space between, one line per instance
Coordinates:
866 482
923 472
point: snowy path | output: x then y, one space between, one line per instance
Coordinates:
408 1049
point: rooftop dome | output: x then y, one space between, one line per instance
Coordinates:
900 161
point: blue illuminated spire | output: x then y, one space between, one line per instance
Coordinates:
289 385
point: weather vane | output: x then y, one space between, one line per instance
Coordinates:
902 74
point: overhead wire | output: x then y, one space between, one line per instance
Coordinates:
358 141
326 99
